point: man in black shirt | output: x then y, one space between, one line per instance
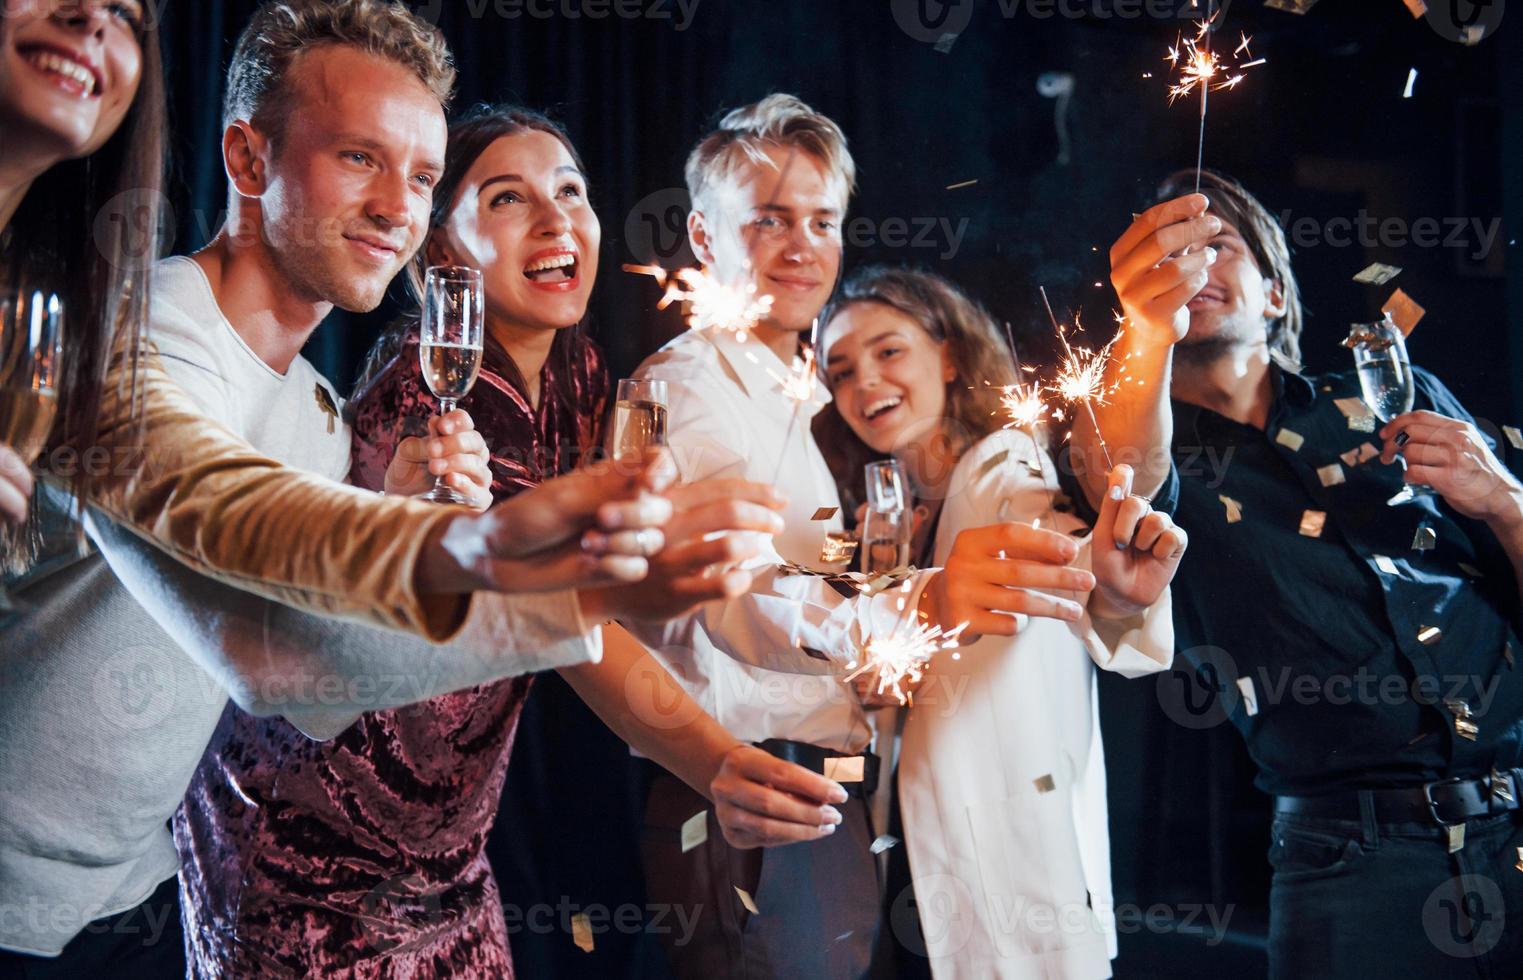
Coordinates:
1364 648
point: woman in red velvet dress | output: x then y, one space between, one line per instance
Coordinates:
365 856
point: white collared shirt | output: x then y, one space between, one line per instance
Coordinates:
770 663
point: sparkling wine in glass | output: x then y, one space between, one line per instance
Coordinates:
1385 375
639 418
450 345
31 345
887 528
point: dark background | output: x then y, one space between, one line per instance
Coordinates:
1320 132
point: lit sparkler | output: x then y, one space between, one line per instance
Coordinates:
899 660
1081 375
711 303
1200 68
798 387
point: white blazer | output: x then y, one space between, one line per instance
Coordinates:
1001 773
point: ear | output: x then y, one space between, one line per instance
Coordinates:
437 250
245 157
1274 299
698 237
948 369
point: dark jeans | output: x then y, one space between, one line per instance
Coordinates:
144 943
1353 898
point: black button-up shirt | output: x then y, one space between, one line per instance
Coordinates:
1350 641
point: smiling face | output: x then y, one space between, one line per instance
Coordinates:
349 185
888 376
69 71
523 218
777 225
1238 303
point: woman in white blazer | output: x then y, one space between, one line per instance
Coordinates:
1001 774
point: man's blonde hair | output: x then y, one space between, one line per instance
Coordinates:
282 29
746 134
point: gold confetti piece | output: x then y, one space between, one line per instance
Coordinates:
1352 407
1312 522
1470 570
1456 837
1513 436
825 513
993 461
1404 310
1044 784
958 187
695 830
1250 696
1501 786
1426 539
581 932
1362 423
1350 458
883 843
1234 509
1520 859
1419 8
1419 739
1331 475
1290 440
1377 274
1429 635
747 900
1386 565
1507 654
1367 452
944 43
839 547
1291 6
1464 727
845 768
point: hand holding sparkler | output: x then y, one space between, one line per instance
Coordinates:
1154 277
1001 569
1136 551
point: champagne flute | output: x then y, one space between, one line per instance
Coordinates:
639 418
1385 375
450 346
887 528
31 350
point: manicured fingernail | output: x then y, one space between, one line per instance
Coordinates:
837 793
830 814
595 543
828 829
1210 255
1117 493
1120 545
1402 438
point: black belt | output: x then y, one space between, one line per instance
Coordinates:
814 758
1444 802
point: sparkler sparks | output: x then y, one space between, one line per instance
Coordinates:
711 303
1023 405
1200 68
900 659
1081 375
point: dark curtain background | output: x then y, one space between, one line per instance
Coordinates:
1320 132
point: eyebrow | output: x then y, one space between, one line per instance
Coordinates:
770 208
891 332
518 178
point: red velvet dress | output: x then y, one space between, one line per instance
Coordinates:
364 856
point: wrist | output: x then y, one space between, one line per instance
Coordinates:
1506 521
594 605
453 558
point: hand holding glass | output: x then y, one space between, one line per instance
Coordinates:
450 345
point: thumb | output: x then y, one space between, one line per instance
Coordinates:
1118 488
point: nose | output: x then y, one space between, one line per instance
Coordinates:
390 204
86 17
551 220
800 245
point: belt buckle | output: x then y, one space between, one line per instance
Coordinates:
1433 804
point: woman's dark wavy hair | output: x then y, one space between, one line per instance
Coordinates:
469 137
89 231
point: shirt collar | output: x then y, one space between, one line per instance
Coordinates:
1290 390
761 371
